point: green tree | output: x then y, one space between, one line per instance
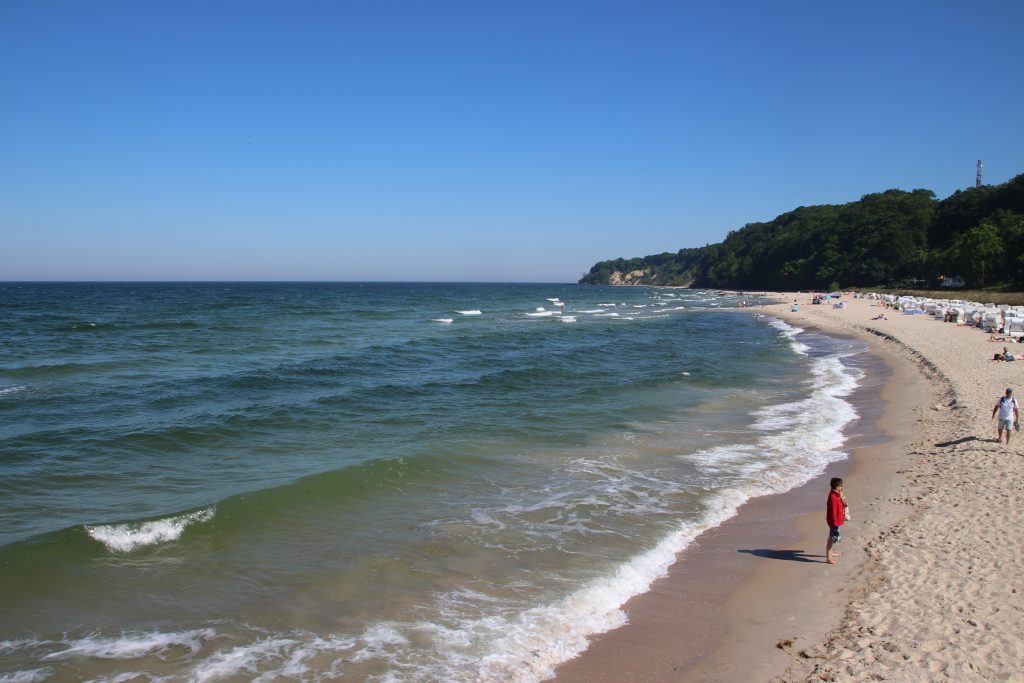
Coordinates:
977 251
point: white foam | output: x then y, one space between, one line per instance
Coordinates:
473 312
244 659
592 310
443 321
7 391
129 646
539 309
803 437
527 645
543 314
607 304
27 676
124 538
568 318
790 332
555 300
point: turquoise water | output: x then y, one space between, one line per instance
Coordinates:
375 481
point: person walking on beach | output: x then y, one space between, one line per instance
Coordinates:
1009 415
835 515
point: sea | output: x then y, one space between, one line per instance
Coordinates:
374 481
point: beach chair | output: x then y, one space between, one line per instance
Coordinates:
1014 327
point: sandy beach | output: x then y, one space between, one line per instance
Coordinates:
928 584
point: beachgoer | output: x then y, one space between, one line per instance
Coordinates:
1009 415
795 307
835 515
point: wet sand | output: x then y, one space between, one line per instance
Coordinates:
753 600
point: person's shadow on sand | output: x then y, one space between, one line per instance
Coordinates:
957 442
791 555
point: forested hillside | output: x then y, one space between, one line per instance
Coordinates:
888 238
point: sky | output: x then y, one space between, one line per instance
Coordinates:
473 141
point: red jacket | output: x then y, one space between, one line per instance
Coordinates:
835 511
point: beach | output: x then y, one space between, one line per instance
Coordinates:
927 587
462 482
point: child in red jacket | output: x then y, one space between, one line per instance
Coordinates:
835 515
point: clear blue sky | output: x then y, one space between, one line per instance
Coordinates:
477 140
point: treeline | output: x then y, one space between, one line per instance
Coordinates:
891 238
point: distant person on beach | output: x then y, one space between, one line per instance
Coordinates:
795 307
835 515
1009 415
1005 356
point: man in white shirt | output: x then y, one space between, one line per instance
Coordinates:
1007 408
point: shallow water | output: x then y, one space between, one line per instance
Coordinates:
375 481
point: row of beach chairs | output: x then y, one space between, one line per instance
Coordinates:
989 317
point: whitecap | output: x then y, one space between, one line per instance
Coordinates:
568 318
473 312
7 391
444 321
127 537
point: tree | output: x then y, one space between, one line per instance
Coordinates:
976 251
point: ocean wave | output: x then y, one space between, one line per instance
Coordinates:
507 643
568 318
791 333
123 538
472 312
803 437
7 391
27 676
248 660
163 645
443 321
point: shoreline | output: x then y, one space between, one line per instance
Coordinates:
866 617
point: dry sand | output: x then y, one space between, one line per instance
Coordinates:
930 583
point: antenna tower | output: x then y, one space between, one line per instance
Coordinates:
977 178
